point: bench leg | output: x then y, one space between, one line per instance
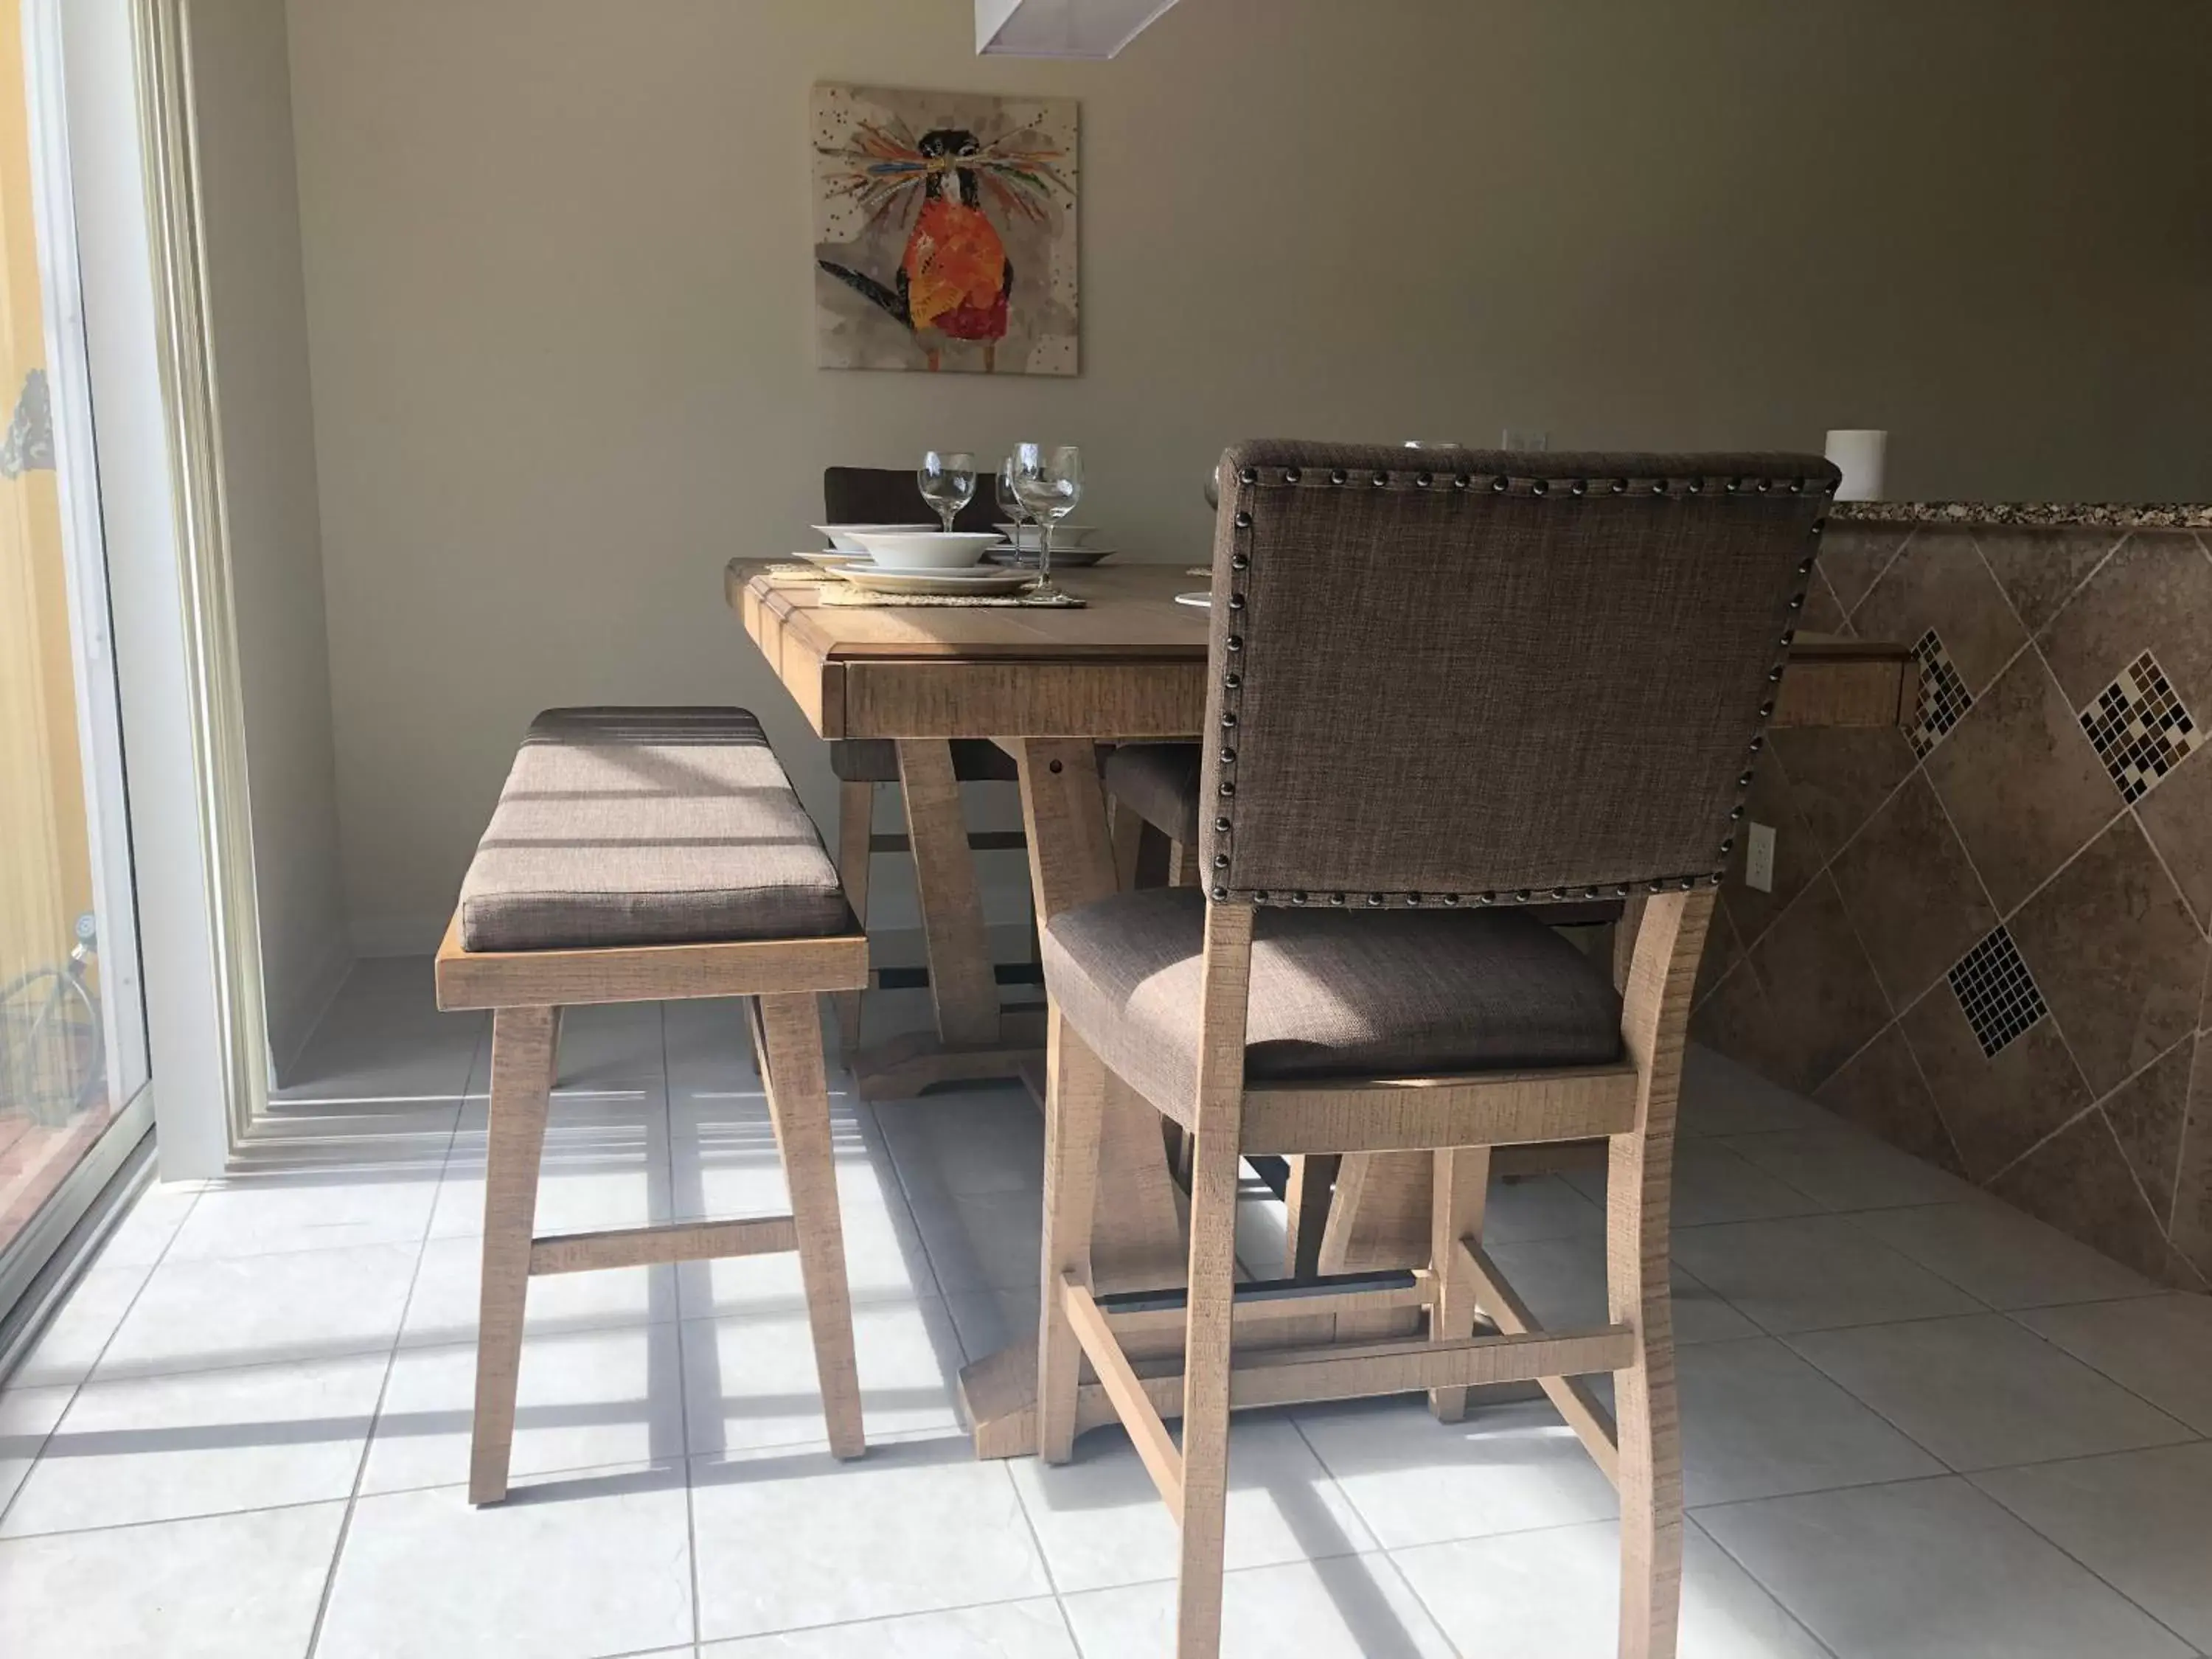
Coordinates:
1075 1102
787 1040
522 1040
856 821
1459 1188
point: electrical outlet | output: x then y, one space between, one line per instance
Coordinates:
1759 858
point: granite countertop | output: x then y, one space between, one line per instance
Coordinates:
2026 514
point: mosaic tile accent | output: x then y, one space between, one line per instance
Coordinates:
1996 992
1944 699
2140 729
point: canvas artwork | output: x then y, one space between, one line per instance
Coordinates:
944 231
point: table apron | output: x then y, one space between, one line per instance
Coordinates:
920 698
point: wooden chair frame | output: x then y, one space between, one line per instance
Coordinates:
1458 1120
526 990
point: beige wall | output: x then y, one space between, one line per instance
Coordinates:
258 312
559 296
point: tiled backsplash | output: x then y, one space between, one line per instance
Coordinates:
1987 940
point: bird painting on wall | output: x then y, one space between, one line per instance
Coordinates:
930 220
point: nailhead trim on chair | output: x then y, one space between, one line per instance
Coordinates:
1240 560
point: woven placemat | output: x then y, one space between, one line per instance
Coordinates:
844 593
799 576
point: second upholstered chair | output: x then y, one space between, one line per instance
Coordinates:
1439 697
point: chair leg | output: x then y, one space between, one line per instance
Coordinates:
523 1041
856 821
1461 1186
1313 1175
787 1039
1075 1102
1645 1406
1205 1392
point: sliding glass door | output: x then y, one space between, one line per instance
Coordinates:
72 1036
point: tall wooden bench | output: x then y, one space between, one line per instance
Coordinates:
643 855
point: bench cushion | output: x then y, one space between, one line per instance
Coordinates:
647 826
1335 994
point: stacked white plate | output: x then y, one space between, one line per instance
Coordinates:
928 562
1073 546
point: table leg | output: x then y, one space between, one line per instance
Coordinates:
973 1040
1137 1241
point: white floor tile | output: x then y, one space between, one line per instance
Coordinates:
1349 1607
27 1417
142 1235
70 1344
1102 1523
780 1533
1714 1183
1556 1595
990 1242
605 1164
983 1140
1929 1570
2006 1259
1758 1422
988 1320
1813 1273
1011 1630
586 1400
1720 1097
1847 1169
1543 1206
256 1309
1563 1281
443 1309
261 1215
609 1044
752 1382
1981 1393
2138 1520
585 1566
225 1587
1415 1481
2160 1347
201 1442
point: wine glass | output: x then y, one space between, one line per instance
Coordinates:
1010 503
1050 482
948 482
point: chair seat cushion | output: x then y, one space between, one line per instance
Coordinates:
647 826
1158 782
875 760
1335 994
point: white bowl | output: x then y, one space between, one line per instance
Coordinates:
845 537
1064 535
929 550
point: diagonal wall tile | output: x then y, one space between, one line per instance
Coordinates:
2152 594
2079 1181
1940 581
1881 1089
2021 782
1796 859
1839 775
2148 1114
1853 555
1995 1106
2039 568
1915 901
2116 954
2177 816
2190 1224
1822 998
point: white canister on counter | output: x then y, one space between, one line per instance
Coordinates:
1859 451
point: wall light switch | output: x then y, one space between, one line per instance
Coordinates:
1759 858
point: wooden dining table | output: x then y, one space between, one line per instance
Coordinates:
1048 685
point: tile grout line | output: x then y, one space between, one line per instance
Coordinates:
683 1361
391 1361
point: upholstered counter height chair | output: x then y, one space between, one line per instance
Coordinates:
1439 697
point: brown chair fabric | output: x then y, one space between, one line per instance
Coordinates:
875 760
647 826
1531 677
1397 993
1158 782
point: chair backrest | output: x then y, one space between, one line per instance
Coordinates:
1486 677
884 495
